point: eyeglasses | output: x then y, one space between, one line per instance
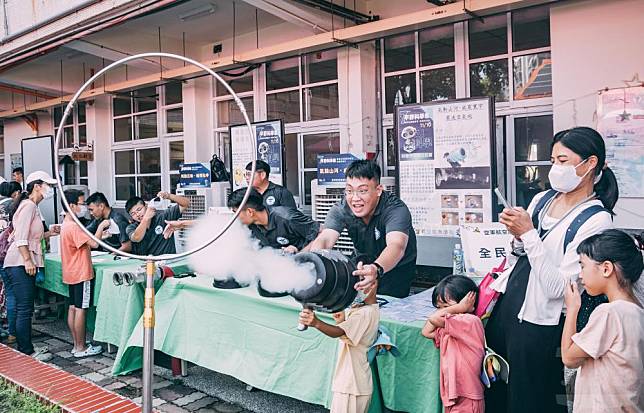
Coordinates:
360 193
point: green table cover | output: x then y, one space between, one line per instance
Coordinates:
255 339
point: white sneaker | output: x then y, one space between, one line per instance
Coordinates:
42 354
89 351
87 343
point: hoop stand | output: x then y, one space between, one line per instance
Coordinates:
148 336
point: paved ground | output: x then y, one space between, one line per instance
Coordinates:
202 391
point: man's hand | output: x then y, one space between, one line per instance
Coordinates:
149 214
572 298
339 317
517 221
368 275
164 195
104 225
308 318
171 227
291 249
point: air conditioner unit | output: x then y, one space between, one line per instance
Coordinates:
323 197
201 200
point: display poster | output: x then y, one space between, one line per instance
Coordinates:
620 120
269 140
445 163
194 175
484 247
332 166
16 160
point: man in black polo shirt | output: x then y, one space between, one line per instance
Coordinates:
279 227
146 232
379 225
273 194
108 223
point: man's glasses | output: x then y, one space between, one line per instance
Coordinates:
360 193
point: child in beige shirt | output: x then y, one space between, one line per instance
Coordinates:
357 329
609 350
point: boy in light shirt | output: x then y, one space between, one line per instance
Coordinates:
357 328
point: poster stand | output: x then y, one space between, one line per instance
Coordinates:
446 173
270 146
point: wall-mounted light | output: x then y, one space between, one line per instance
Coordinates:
198 13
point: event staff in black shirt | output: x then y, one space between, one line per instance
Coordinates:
147 231
379 224
279 227
273 194
103 224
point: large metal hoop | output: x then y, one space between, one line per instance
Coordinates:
68 109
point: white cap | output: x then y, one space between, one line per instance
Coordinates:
40 176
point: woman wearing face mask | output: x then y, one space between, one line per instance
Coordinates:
526 324
25 256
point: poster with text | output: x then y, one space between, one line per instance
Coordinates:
446 163
269 141
620 120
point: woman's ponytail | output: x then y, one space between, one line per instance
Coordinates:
607 189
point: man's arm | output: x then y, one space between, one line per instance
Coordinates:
325 240
388 259
138 234
126 246
182 201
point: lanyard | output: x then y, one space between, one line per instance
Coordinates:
544 211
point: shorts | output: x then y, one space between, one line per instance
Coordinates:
80 295
465 405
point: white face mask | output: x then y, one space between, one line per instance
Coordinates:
48 193
82 211
564 178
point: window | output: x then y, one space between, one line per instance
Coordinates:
509 55
433 78
176 156
532 138
303 89
137 172
173 99
135 116
74 134
312 146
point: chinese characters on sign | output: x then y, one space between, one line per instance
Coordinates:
331 167
445 164
269 138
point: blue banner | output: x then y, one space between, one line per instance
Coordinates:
194 175
331 167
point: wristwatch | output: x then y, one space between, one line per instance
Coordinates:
379 270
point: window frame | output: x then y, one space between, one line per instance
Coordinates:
75 126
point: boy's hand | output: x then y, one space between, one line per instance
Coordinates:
105 224
572 298
291 249
149 213
339 317
308 318
466 305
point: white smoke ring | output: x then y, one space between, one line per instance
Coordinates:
68 109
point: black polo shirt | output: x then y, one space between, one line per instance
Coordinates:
370 239
114 240
153 242
286 226
276 195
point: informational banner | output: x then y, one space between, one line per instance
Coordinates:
194 175
484 247
331 167
269 138
446 163
620 114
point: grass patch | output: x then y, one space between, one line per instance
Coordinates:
12 401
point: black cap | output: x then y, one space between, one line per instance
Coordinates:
261 166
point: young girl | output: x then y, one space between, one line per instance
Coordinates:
357 330
461 339
610 349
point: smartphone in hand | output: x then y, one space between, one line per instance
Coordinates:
504 201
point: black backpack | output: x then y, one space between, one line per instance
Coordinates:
218 172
